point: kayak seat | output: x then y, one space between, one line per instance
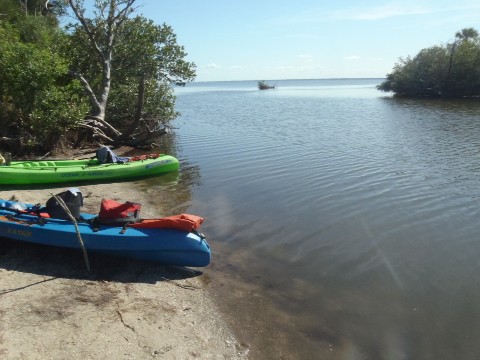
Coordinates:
27 165
51 163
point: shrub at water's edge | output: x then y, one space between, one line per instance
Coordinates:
103 79
442 71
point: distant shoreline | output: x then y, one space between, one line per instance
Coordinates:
254 80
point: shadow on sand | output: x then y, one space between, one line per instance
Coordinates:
69 263
165 178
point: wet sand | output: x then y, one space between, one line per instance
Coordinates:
52 308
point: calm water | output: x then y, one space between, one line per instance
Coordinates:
344 223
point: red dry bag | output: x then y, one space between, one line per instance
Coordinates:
115 213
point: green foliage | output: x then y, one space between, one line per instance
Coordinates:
10 10
38 30
158 102
141 47
16 11
40 100
41 106
451 70
146 48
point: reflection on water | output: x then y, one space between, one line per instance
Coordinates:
344 223
172 191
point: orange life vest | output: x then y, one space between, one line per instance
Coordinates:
184 222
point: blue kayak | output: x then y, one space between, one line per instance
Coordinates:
162 245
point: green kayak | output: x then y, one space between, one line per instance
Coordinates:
59 171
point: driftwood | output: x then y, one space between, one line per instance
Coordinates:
95 129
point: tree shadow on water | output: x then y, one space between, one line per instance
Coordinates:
69 263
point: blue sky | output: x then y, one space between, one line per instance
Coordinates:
310 39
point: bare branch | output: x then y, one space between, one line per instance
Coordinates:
88 89
79 14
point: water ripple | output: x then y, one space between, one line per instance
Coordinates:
347 191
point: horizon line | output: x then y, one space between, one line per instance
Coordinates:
297 79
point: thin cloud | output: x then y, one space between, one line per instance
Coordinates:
382 12
396 9
364 13
352 57
212 66
360 12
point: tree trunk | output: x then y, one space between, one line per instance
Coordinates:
138 113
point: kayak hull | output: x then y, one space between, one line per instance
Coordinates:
62 171
166 246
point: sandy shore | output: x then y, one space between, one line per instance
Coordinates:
52 308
